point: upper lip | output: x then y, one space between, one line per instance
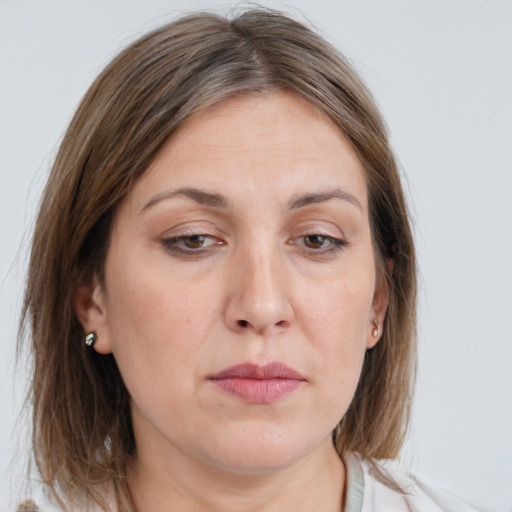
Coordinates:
275 370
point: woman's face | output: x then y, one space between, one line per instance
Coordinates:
240 288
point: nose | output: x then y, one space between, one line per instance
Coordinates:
259 294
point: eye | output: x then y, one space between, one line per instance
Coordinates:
191 244
316 242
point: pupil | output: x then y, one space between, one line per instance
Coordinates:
194 241
315 241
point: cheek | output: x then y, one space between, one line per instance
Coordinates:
338 311
155 304
158 343
157 324
335 318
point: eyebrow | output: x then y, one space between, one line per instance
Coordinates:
199 196
302 200
219 201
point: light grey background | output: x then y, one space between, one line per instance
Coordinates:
442 72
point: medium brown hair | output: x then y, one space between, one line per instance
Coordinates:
82 435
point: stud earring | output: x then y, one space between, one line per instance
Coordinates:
90 339
376 329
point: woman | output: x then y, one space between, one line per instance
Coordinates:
221 293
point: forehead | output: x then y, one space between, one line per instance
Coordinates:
275 142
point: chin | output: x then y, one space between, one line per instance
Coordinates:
254 452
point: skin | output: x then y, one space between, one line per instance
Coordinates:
273 279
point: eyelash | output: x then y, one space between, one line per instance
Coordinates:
335 244
172 244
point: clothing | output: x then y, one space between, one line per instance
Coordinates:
368 490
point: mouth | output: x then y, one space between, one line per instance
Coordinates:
257 384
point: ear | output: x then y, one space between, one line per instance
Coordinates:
379 306
90 308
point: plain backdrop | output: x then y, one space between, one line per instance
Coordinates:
441 71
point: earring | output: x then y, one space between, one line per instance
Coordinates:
376 329
90 339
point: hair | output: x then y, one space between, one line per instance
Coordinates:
82 433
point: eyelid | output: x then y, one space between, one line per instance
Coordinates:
171 244
335 242
192 227
322 227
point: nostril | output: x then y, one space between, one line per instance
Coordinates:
244 324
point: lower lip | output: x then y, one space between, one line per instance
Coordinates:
258 391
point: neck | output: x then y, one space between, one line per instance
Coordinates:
316 482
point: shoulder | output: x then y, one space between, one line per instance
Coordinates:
37 504
40 502
385 487
32 505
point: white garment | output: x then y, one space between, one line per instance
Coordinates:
367 491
